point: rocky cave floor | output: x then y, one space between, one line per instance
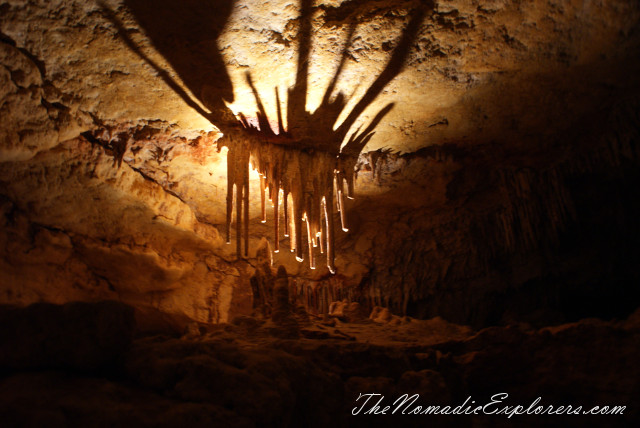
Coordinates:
84 364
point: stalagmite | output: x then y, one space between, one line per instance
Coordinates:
281 305
283 315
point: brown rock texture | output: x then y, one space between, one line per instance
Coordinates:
245 374
492 150
511 141
81 336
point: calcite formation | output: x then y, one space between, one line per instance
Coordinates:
312 162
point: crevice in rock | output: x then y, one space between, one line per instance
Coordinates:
40 65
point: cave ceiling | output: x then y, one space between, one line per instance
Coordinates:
473 66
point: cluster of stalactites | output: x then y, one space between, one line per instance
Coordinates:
303 188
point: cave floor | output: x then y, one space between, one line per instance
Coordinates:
253 372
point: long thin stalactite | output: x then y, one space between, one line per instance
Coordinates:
303 190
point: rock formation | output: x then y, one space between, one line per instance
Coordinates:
485 159
492 146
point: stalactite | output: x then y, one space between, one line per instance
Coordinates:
230 183
343 214
313 159
245 181
328 215
312 262
239 188
292 231
304 160
276 222
323 233
263 204
286 214
312 183
297 225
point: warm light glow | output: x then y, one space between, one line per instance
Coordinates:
278 170
254 175
305 140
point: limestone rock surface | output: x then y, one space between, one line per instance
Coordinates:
513 134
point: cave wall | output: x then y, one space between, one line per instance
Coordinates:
504 174
511 237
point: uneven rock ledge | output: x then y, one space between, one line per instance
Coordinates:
241 374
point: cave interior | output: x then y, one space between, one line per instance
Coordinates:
250 213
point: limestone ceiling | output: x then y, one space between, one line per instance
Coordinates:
478 71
